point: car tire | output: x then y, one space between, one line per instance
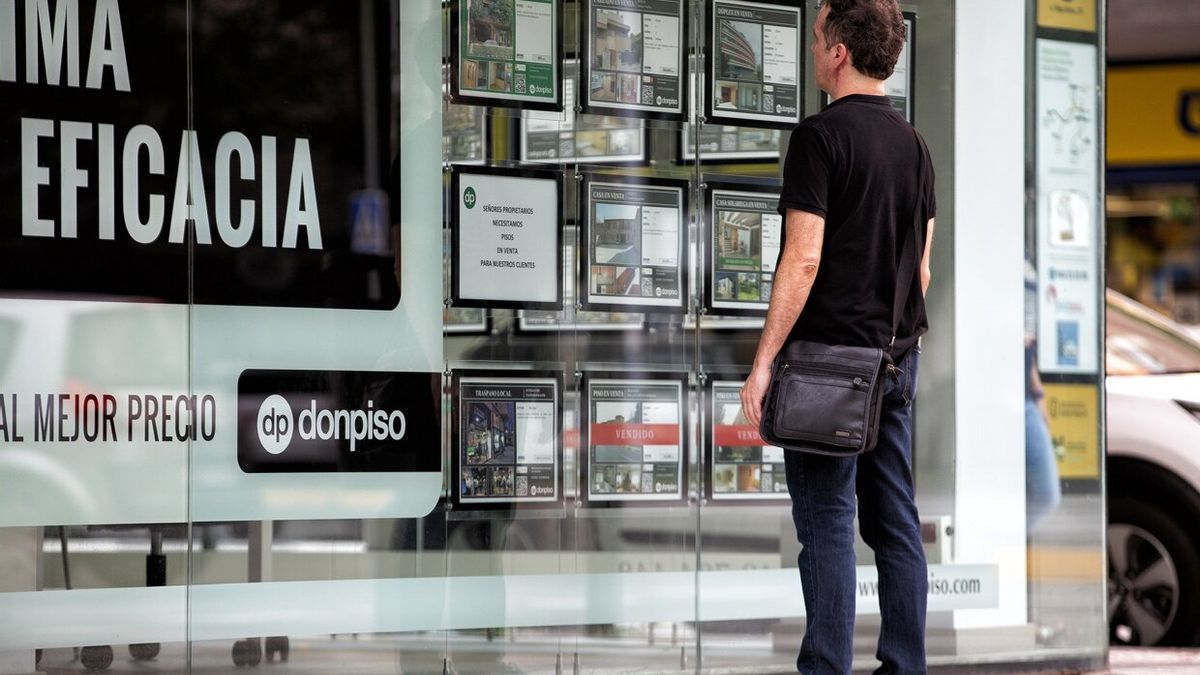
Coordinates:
1153 577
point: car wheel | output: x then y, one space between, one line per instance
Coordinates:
1153 577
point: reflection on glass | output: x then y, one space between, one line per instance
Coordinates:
567 137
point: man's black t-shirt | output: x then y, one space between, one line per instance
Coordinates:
858 164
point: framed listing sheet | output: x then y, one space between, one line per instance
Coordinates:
739 465
507 439
506 53
506 242
1070 223
633 242
634 431
633 56
754 62
743 236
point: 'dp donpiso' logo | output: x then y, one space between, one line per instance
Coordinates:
469 198
275 424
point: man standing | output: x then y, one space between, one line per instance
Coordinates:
853 177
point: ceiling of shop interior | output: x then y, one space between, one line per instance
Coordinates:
1153 30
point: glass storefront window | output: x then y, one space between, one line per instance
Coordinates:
410 335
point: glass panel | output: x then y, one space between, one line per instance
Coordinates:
1065 476
95 421
315 326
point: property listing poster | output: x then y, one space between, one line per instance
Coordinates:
755 64
635 438
508 50
508 449
569 318
746 236
636 55
1067 208
741 464
566 137
507 239
634 240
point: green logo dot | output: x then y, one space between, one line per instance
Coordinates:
469 198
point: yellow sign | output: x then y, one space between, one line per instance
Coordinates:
1068 14
1074 428
1154 115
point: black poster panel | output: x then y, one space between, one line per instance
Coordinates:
264 176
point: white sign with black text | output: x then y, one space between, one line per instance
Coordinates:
507 239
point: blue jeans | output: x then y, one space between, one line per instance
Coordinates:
823 493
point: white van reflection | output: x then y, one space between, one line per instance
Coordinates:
79 348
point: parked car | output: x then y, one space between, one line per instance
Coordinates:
1153 385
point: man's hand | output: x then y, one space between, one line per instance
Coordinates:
753 393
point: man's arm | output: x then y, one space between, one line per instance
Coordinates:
926 275
793 281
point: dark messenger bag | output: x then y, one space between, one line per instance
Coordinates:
826 399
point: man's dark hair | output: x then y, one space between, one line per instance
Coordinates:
873 31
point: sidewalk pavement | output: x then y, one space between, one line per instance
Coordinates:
1156 661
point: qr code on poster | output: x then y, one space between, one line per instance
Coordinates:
522 486
647 93
519 83
769 103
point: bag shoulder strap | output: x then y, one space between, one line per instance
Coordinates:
908 262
